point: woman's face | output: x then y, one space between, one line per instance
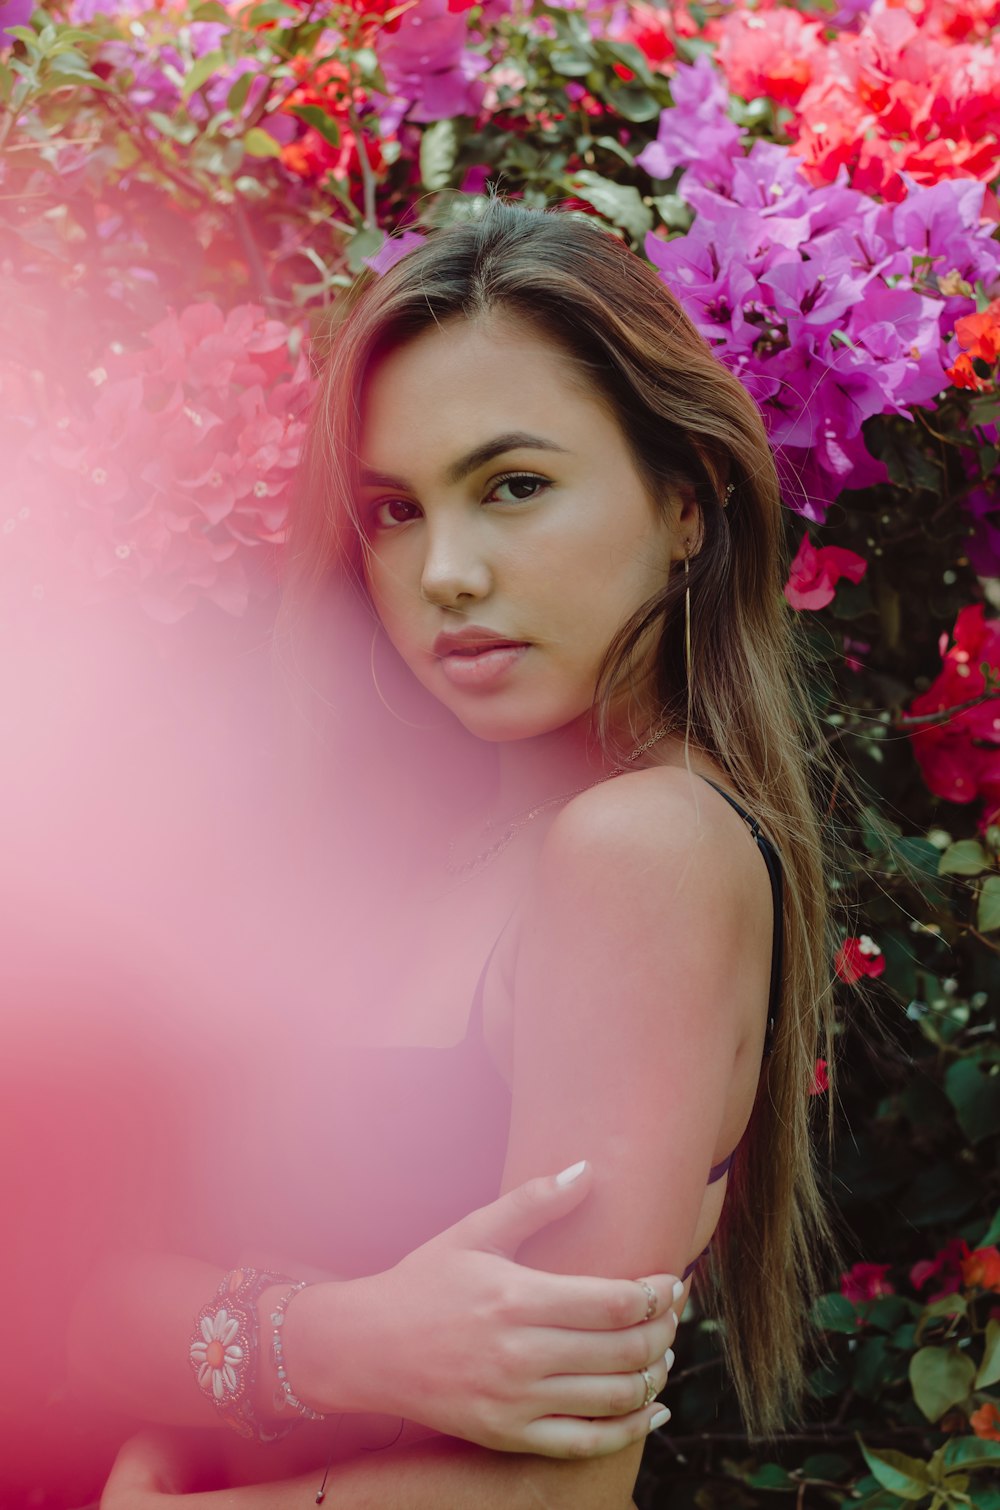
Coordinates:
546 537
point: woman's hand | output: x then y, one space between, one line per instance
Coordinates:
466 1341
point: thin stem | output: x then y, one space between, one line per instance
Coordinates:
925 720
367 176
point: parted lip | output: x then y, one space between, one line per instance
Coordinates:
469 638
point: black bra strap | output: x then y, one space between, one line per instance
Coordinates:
773 863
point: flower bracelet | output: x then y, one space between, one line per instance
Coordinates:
224 1353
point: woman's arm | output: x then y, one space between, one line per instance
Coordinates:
532 1348
425 1477
626 1046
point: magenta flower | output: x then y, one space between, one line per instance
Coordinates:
945 1268
865 1282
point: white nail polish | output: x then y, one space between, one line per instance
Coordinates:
572 1173
660 1419
678 1289
668 1358
673 1318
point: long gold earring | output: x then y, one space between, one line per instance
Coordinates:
397 716
687 648
687 618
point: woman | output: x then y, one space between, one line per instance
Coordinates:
562 514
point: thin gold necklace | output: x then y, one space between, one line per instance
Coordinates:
520 820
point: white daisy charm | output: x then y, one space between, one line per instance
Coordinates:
217 1355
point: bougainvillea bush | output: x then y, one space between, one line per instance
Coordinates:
187 189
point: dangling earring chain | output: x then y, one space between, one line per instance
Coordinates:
687 647
382 700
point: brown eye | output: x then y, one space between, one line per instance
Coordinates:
377 520
516 480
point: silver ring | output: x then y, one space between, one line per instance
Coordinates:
650 1388
651 1299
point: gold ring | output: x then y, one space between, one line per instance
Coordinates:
651 1299
650 1388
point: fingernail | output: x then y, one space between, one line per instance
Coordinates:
572 1173
673 1318
678 1289
660 1419
668 1358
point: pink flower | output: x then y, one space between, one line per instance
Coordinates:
817 569
865 1282
858 957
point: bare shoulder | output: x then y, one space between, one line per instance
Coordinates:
657 827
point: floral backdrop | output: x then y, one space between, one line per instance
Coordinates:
186 189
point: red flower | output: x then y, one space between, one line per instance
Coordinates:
652 30
981 1269
857 957
985 1422
817 569
945 1267
774 54
960 759
979 337
820 1080
865 1282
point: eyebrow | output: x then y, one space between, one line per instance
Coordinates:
513 440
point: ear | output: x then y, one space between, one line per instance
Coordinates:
688 522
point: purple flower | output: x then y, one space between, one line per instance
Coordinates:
825 303
13 13
696 133
393 249
427 62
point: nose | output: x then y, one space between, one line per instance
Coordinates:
454 568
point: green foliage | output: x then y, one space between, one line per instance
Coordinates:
204 172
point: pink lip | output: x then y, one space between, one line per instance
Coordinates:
484 667
469 638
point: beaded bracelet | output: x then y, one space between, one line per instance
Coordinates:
224 1350
283 1392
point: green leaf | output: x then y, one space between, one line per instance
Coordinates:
972 1453
826 1465
940 1377
630 55
991 1236
201 72
989 1370
273 10
237 96
972 1085
260 143
570 64
211 10
24 34
769 1476
988 912
620 203
634 104
75 70
363 244
835 1313
966 858
909 1478
315 116
438 153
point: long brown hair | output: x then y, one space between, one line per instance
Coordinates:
689 424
